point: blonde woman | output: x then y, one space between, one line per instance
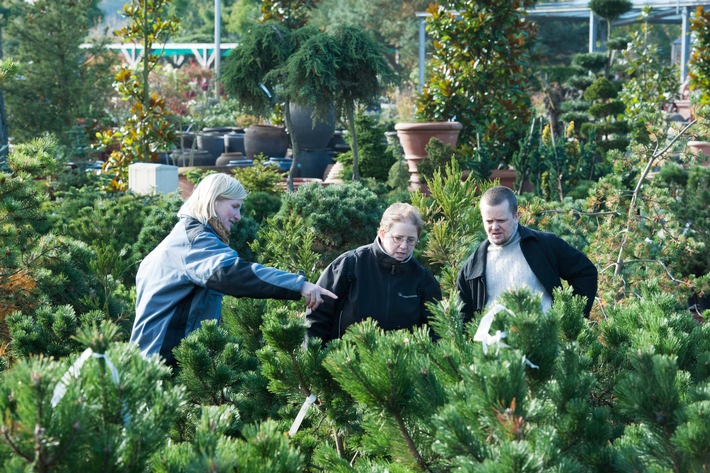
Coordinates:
182 281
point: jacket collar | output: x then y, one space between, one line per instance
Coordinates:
385 260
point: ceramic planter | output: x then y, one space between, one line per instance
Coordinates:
269 140
415 136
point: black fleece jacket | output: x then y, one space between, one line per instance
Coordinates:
371 284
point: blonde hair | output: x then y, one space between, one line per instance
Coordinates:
218 186
400 212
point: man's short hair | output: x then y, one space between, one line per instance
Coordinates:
496 195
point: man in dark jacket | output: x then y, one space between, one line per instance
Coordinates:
381 281
515 256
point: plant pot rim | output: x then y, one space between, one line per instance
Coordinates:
264 125
416 126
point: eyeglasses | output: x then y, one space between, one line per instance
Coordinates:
399 239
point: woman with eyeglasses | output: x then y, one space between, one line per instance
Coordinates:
381 281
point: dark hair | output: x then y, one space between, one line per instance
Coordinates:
497 195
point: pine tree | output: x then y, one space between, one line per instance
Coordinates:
109 411
60 82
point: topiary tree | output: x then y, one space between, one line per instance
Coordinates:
309 68
608 129
354 71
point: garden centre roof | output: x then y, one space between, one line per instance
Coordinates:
175 52
662 11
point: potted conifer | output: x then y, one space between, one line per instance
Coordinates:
308 68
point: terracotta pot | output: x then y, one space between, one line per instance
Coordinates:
700 148
415 136
505 176
269 140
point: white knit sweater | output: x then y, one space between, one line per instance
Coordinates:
507 269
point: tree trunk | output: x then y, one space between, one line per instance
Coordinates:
294 148
351 126
4 136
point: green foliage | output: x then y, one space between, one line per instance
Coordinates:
334 219
453 221
610 10
698 65
210 365
149 129
60 82
36 266
243 318
292 14
293 372
345 67
439 155
91 420
398 176
241 236
309 68
388 21
261 205
376 157
159 220
602 88
260 177
691 188
557 166
49 331
594 62
287 242
109 223
480 71
261 54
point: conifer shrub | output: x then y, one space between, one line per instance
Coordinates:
37 265
375 157
112 411
159 220
49 331
338 217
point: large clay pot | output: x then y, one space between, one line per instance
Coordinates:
415 136
269 140
311 135
701 150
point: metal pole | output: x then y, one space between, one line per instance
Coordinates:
217 46
593 27
685 44
422 47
